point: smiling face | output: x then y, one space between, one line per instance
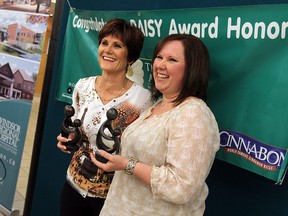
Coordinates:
169 69
113 55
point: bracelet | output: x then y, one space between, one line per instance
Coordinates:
130 166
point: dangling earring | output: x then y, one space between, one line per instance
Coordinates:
129 70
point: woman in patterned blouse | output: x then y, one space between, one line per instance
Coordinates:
120 45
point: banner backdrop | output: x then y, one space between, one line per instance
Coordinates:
248 83
14 116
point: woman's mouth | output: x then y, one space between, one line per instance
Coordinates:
108 58
162 76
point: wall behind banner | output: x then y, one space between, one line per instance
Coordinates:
233 191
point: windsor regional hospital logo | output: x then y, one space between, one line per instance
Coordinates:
264 156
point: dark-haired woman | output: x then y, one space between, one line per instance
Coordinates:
120 45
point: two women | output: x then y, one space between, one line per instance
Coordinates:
167 153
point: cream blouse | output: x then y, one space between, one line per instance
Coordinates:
180 145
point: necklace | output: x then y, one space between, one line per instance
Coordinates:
114 96
167 104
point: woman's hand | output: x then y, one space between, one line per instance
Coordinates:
60 144
115 162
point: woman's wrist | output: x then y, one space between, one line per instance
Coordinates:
129 169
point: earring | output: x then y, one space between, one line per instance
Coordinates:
129 70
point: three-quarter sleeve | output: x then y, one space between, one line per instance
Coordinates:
192 141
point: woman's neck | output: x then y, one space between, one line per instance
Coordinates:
168 100
111 83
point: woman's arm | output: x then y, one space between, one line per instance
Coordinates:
117 163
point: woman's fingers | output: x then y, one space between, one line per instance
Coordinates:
96 162
62 139
105 166
60 145
105 154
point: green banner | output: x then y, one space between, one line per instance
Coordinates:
249 51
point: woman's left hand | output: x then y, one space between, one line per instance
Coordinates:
115 162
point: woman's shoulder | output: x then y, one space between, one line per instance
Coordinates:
195 107
85 83
192 101
193 104
192 110
139 95
140 89
84 86
86 79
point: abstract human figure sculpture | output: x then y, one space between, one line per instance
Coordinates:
102 136
68 127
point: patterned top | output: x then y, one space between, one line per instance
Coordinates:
87 179
181 145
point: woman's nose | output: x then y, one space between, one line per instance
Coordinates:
108 49
161 64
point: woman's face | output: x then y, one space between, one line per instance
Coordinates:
169 69
112 54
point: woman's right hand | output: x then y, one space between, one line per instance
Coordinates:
60 144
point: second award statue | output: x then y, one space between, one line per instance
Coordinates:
112 138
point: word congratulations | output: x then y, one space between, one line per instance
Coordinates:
88 24
264 156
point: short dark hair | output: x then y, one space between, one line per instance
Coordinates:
129 34
197 67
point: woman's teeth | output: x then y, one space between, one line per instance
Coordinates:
109 59
163 76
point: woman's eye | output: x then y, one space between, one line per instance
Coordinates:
159 57
104 43
118 46
173 59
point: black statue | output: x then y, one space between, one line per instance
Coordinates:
68 127
114 136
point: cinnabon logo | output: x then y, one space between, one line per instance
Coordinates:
263 155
